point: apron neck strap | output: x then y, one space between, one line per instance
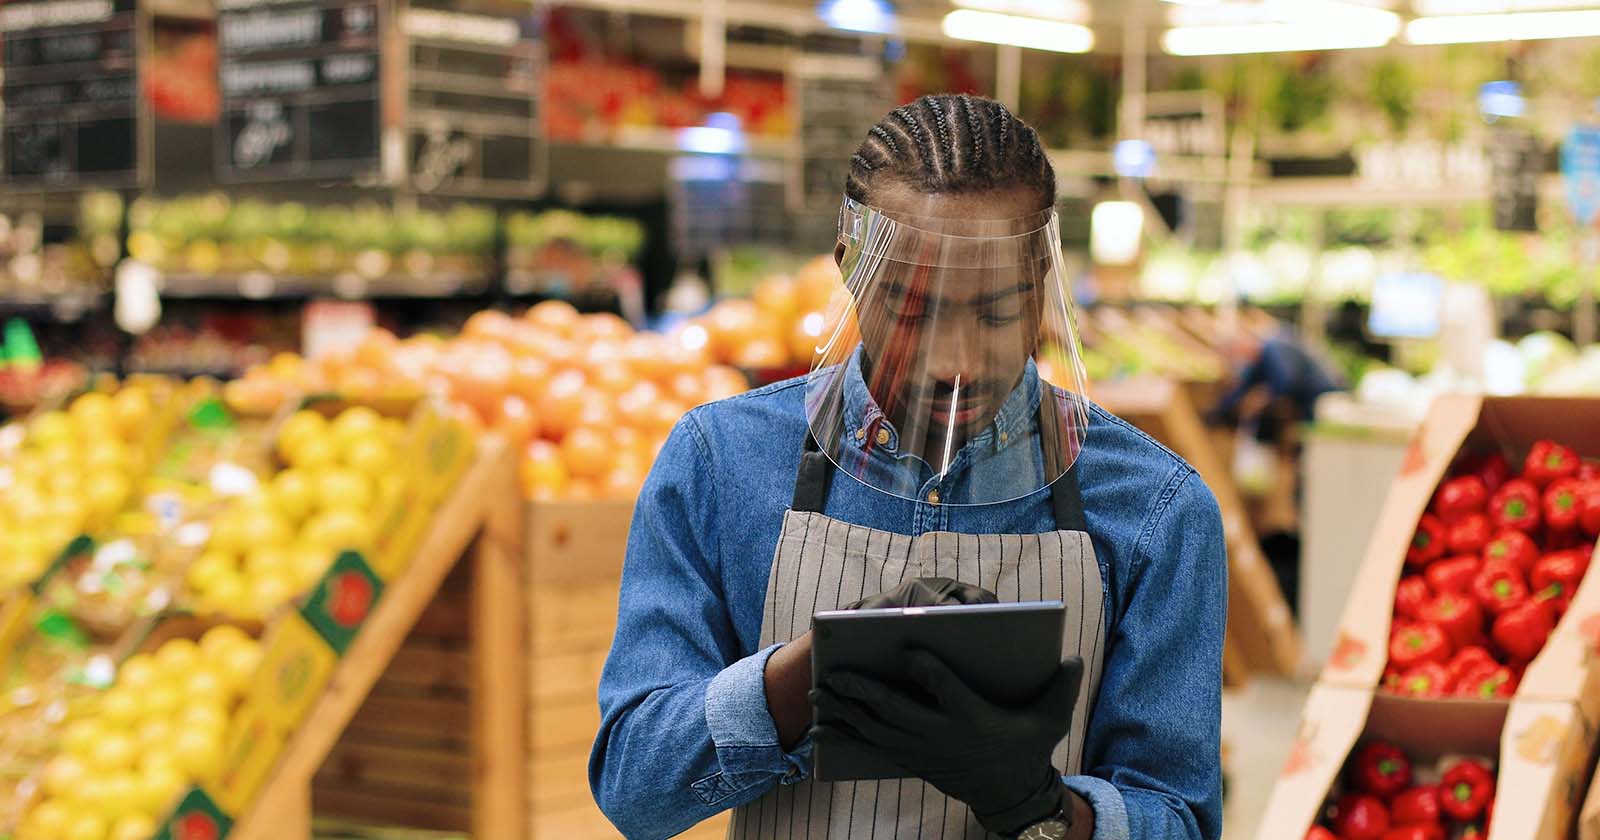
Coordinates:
815 475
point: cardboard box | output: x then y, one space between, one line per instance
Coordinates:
1566 668
1589 817
1543 749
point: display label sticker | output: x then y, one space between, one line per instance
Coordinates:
197 817
342 601
293 670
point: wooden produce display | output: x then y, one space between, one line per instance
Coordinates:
272 763
574 571
1261 633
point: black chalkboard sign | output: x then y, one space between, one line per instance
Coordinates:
71 93
473 109
1515 161
839 98
300 85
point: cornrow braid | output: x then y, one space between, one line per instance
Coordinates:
954 144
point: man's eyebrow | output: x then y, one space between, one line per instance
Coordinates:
898 290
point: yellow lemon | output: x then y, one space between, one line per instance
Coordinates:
48 819
307 563
161 700
85 825
218 640
267 560
158 785
119 708
134 827
199 753
79 738
133 408
176 657
115 751
63 775
205 685
293 493
208 568
301 426
312 453
155 733
344 489
240 664
119 794
337 530
371 456
270 591
50 429
264 526
207 717
230 595
356 423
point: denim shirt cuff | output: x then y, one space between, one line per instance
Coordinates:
743 733
1110 811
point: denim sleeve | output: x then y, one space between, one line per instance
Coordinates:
1155 732
684 734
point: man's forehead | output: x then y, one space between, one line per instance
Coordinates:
951 212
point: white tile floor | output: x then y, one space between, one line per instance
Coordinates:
1258 724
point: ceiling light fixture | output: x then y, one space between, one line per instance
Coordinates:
1279 26
1516 26
1071 11
1031 32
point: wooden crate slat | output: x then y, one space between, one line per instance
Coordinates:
441 718
558 726
566 676
569 618
358 764
430 665
555 781
391 808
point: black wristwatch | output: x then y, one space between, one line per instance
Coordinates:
1054 827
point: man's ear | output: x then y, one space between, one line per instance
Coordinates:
838 254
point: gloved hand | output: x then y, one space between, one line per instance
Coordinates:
993 758
926 592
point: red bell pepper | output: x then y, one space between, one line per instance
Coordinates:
1587 471
1317 832
1487 682
1381 769
1515 505
1459 497
1522 630
1499 587
1418 805
1512 547
1457 615
1493 469
1360 816
1467 660
1418 831
1453 574
1428 543
1561 504
1589 507
1469 534
1548 461
1470 832
1391 679
1558 575
1465 791
1410 596
1417 643
1430 679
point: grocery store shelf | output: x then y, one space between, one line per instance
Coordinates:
265 286
666 141
63 307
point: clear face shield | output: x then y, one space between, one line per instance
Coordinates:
943 388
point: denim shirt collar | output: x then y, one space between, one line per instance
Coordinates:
864 420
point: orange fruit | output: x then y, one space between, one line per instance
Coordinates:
376 349
530 375
721 382
543 472
554 316
516 420
762 353
688 388
559 405
730 325
489 325
601 326
622 481
587 452
634 406
665 414
805 333
582 490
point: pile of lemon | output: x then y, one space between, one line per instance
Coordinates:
275 542
70 473
157 730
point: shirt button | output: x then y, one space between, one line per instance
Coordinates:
1004 437
861 435
883 437
933 497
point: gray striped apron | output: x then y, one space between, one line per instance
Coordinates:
823 564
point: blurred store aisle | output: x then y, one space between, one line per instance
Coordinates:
1258 724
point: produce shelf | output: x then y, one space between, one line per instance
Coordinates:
267 286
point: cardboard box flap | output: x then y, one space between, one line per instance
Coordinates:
1511 424
1431 728
1362 646
1545 750
1330 724
1565 668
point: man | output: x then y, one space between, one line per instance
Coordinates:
925 464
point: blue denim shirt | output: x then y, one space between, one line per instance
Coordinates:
685 731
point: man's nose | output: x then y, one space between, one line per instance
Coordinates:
952 352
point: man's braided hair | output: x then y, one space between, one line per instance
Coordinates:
951 144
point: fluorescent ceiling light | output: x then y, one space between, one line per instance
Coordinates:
1269 37
1033 33
1519 26
874 16
1115 231
1072 11
1429 8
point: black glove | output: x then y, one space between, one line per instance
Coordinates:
995 759
926 592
